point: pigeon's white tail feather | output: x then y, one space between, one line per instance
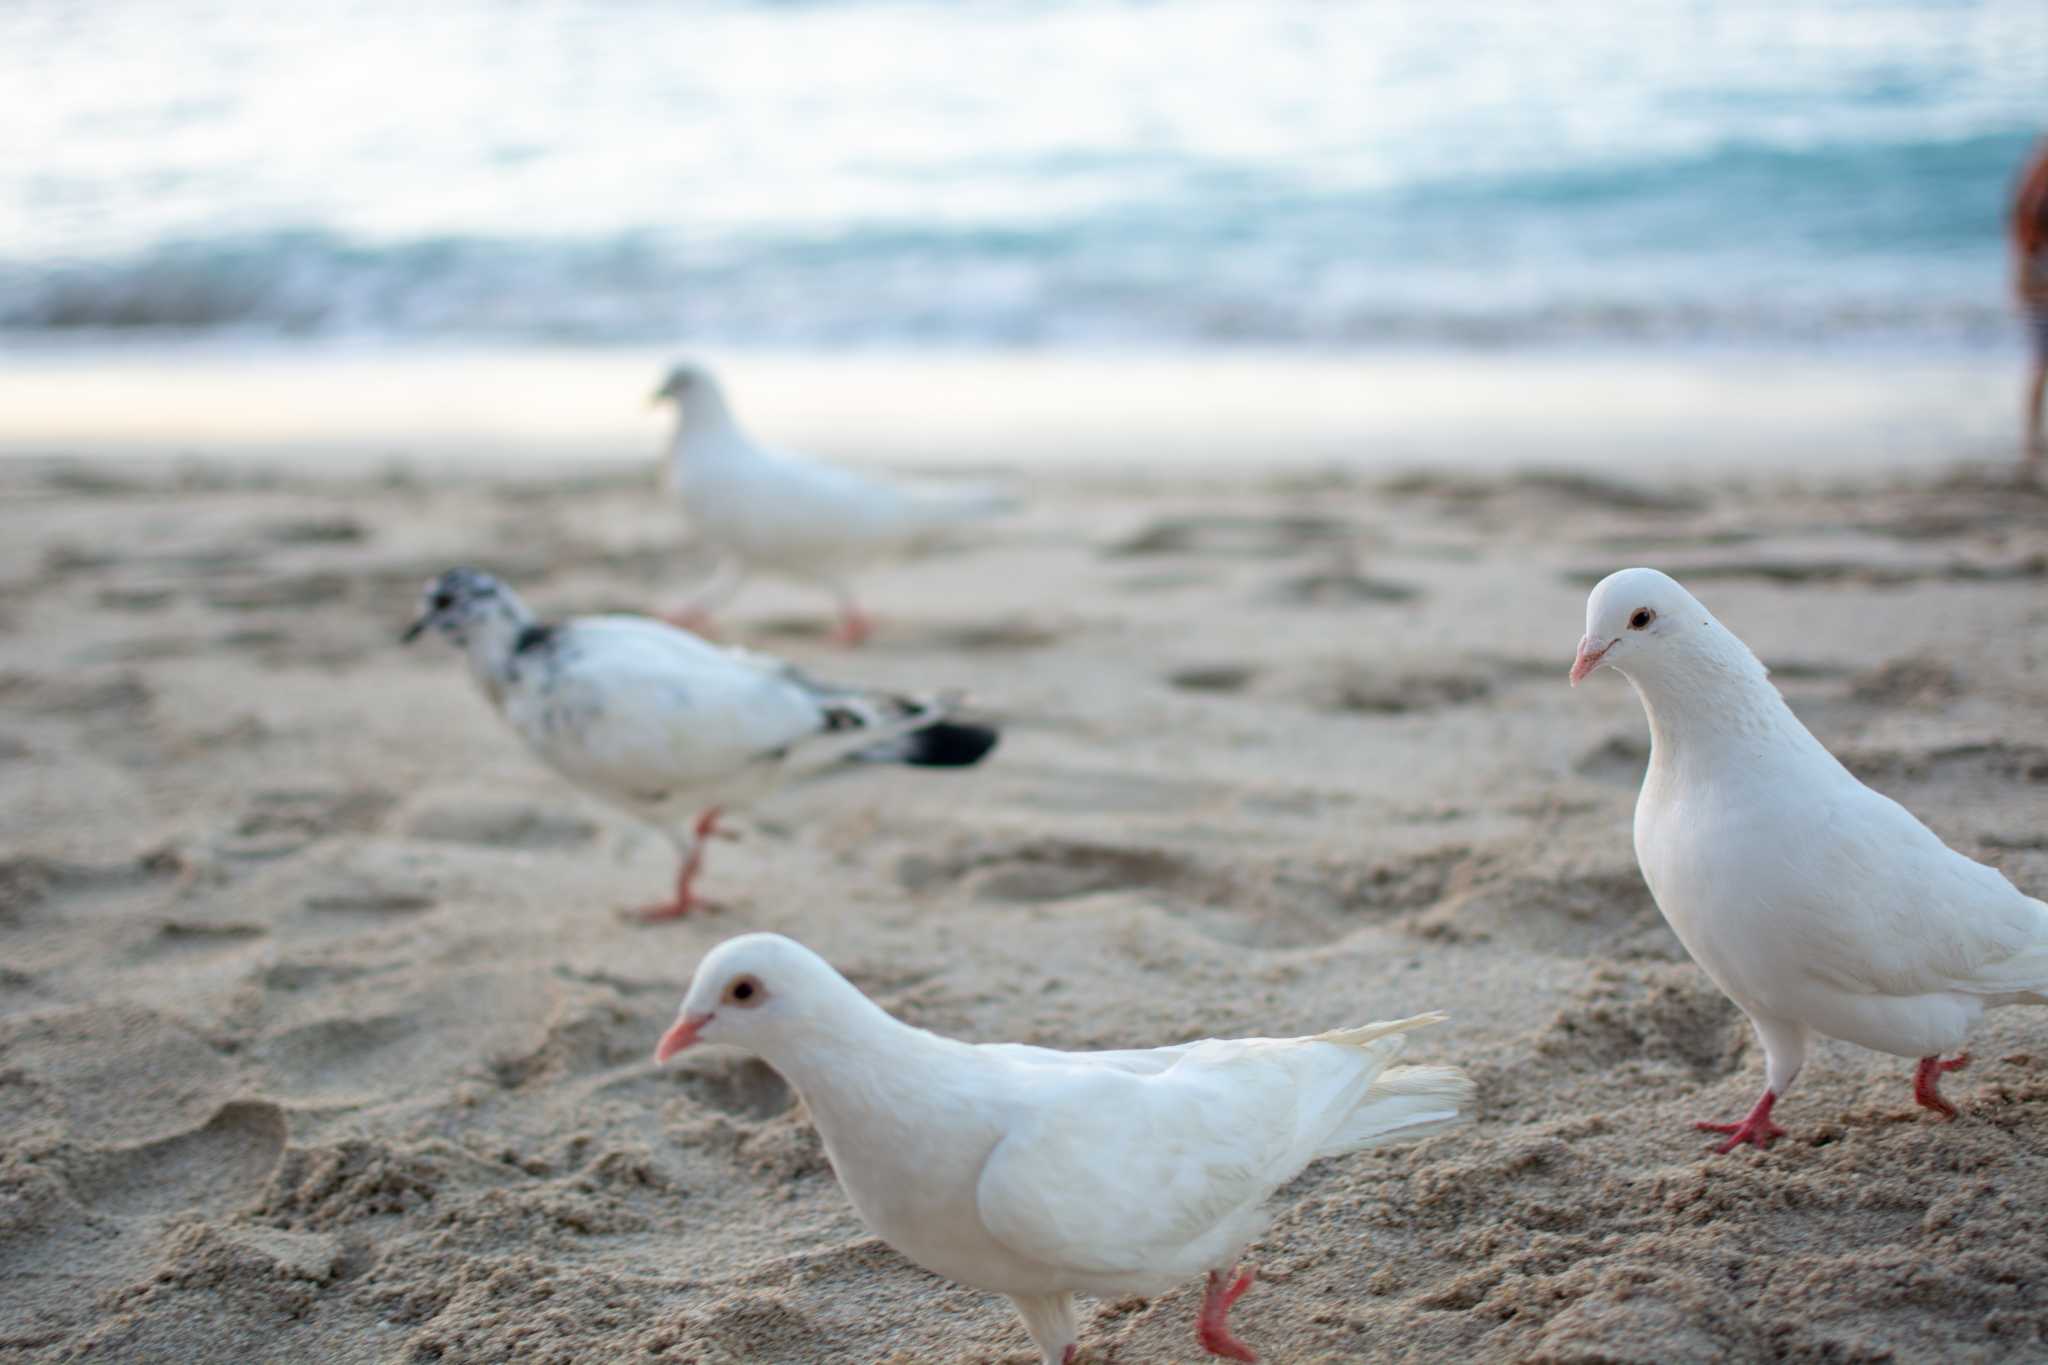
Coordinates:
1367 1033
2022 978
1406 1103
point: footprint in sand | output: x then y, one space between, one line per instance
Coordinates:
1988 762
1218 678
497 824
1576 915
1351 689
1045 870
1620 759
1656 1014
347 1058
1916 681
1338 588
138 597
192 939
282 820
742 1088
28 881
1236 536
219 1167
113 1072
315 531
118 695
276 592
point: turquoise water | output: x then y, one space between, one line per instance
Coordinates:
1023 173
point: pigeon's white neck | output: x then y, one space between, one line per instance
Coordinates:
862 1071
489 641
1711 703
702 413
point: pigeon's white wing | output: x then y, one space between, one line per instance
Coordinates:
1888 909
636 707
1144 1061
1116 1172
780 506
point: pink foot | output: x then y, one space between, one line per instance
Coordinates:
854 627
1070 1355
1756 1127
686 899
1927 1083
1212 1328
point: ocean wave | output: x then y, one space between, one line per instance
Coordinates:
884 289
1043 172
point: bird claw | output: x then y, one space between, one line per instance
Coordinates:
1759 1134
1212 1328
675 909
1927 1083
1756 1128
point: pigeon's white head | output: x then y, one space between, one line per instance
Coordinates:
685 382
461 602
754 992
1637 617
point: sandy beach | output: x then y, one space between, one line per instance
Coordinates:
321 1040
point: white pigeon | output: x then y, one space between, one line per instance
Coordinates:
788 516
663 725
1815 903
1042 1174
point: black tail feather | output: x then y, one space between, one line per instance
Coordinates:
945 744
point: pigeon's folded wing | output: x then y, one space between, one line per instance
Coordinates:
805 498
637 706
1895 911
1115 1172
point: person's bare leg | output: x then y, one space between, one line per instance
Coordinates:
2037 389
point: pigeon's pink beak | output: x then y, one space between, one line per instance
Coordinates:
1590 654
683 1033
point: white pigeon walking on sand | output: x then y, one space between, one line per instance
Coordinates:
788 516
666 726
1815 903
1042 1174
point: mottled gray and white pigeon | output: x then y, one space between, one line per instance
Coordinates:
661 724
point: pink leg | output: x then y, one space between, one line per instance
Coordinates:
686 899
1212 1328
1927 1083
855 626
1755 1127
1070 1355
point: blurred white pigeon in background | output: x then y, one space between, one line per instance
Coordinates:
784 515
1042 1174
667 727
1817 904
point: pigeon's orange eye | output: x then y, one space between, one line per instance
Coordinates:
1641 619
745 991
